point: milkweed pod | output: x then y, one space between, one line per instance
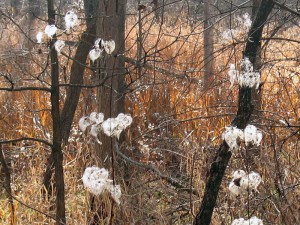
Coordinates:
94 54
71 20
50 30
109 46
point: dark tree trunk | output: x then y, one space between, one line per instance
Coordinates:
7 184
55 113
253 152
76 78
244 113
77 69
110 26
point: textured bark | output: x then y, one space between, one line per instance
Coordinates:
110 25
252 152
244 113
55 113
76 78
77 70
208 41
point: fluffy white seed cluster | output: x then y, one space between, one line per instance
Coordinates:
242 182
100 45
245 21
248 77
229 35
93 122
233 137
96 180
71 20
59 44
253 136
111 127
243 24
252 221
39 37
233 74
95 54
114 126
109 46
50 30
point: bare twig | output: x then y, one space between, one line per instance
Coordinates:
170 180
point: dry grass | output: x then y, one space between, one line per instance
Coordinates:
176 127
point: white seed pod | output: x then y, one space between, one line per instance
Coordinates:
100 173
247 20
114 126
229 35
59 44
84 122
234 189
124 120
240 221
233 137
253 136
254 180
96 180
109 46
254 221
94 131
50 30
111 127
246 65
96 117
244 182
115 192
233 74
71 20
238 174
39 37
95 53
249 79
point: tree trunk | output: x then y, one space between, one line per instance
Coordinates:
76 78
110 26
253 152
208 42
242 118
78 68
55 113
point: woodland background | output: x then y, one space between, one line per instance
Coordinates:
170 72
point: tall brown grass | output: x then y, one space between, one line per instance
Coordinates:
177 128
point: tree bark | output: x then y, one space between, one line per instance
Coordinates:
244 113
208 42
56 125
77 69
110 26
76 78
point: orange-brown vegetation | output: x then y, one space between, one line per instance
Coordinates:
177 128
